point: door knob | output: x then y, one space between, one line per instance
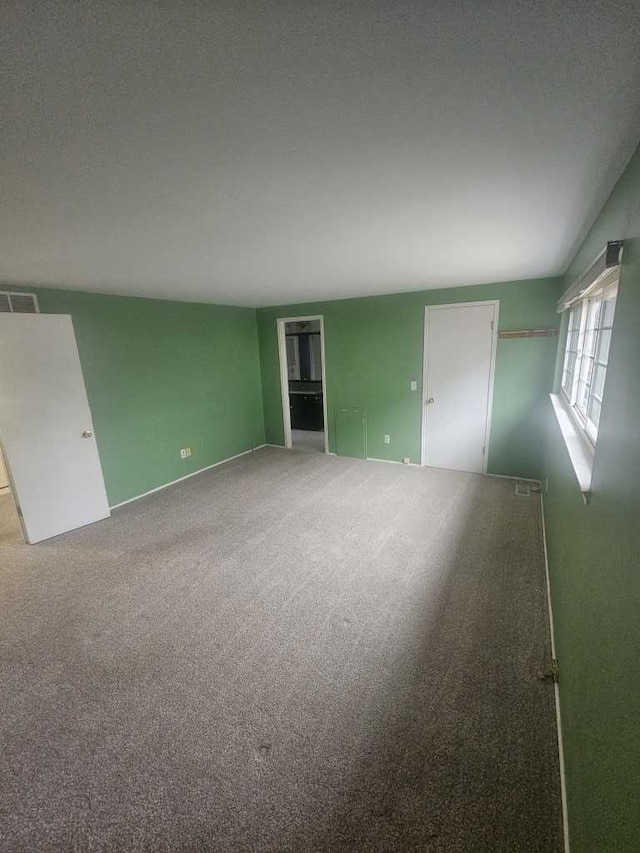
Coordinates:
87 434
429 400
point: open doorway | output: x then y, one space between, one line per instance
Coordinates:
303 381
10 529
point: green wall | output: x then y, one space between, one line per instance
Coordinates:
374 348
163 375
594 562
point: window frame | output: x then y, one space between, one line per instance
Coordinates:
582 356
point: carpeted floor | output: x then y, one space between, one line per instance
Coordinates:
10 532
291 652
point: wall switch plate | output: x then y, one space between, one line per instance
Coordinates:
387 439
183 453
188 449
414 385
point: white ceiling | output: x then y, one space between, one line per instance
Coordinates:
268 152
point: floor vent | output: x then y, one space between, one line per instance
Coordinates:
18 303
523 490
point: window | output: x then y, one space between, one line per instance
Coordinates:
587 354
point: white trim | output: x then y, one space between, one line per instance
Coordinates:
284 382
579 425
605 292
512 477
492 370
556 686
580 453
284 376
186 477
393 462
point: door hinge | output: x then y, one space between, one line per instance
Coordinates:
552 674
483 450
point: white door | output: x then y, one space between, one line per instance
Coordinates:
459 360
45 426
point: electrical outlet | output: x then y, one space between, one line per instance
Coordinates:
188 449
414 385
183 453
387 439
406 460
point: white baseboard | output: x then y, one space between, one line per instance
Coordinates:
415 465
393 462
563 780
510 477
187 476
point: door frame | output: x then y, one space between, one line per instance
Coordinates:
284 375
492 369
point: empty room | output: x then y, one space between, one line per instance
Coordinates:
319 427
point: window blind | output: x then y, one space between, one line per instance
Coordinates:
597 275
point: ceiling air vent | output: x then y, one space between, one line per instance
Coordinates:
18 303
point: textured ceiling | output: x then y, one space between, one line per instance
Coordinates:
259 153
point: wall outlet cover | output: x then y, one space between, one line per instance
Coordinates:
387 439
414 385
406 460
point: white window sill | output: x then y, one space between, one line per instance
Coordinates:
580 453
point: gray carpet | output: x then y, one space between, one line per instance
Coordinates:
291 652
10 532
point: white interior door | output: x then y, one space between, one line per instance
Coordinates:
45 426
458 384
